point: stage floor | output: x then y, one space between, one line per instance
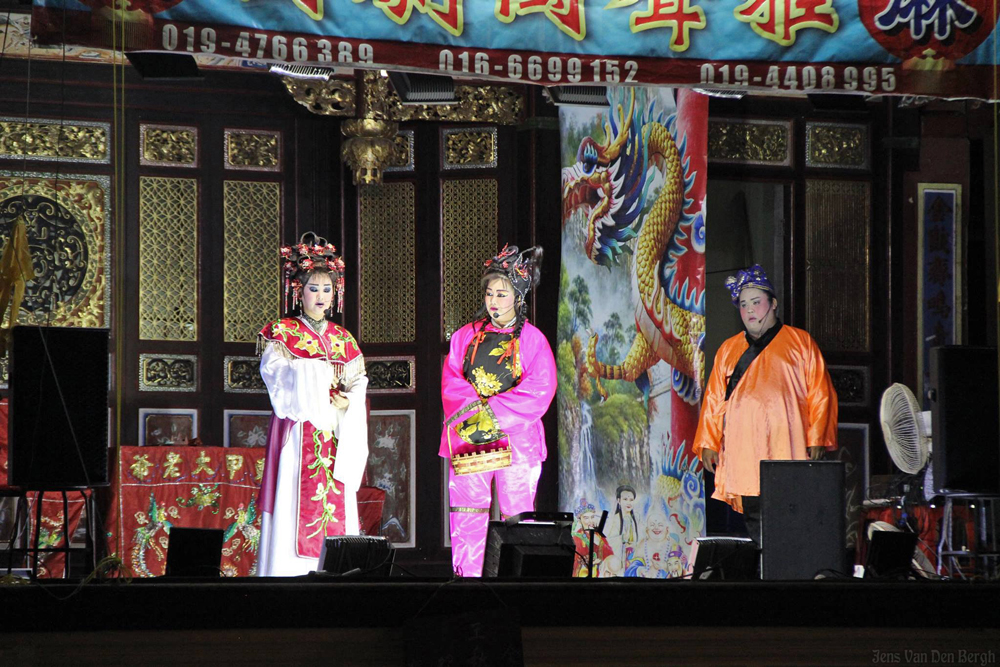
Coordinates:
341 621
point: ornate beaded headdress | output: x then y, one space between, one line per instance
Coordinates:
311 252
523 270
752 277
584 507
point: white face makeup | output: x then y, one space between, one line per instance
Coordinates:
627 501
317 295
757 311
499 300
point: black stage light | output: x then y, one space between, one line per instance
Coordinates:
164 66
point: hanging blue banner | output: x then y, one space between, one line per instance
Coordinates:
943 48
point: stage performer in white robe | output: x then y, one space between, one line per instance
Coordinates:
317 443
497 383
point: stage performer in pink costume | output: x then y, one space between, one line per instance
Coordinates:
497 382
317 444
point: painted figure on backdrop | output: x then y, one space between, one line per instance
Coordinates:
317 443
622 529
497 383
652 553
587 518
769 397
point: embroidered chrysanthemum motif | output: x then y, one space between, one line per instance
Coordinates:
486 383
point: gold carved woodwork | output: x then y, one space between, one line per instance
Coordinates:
168 372
469 218
69 235
242 375
838 264
252 231
40 139
387 263
370 143
255 150
837 145
335 97
391 375
168 145
472 148
401 158
760 142
496 105
168 258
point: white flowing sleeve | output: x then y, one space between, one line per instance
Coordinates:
352 437
299 388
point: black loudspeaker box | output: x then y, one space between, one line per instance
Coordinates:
58 425
965 419
802 519
194 552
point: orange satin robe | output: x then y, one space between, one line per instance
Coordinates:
783 404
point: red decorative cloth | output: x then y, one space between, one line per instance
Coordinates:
157 488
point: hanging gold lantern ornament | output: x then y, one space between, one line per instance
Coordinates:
368 146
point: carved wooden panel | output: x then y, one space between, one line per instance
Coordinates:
241 375
168 258
469 148
253 150
391 375
252 230
55 140
69 232
168 372
168 145
762 142
469 221
388 252
838 303
837 145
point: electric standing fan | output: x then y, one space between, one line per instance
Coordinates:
907 433
905 428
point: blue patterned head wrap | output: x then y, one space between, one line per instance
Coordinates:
752 277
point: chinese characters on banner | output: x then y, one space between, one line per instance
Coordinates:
925 47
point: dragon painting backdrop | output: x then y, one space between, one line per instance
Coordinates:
630 352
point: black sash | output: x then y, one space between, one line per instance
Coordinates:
756 347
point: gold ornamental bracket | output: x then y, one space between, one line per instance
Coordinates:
333 97
370 143
494 104
373 110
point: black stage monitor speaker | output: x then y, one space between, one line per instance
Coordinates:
58 425
360 554
533 544
890 554
965 419
194 552
802 519
724 559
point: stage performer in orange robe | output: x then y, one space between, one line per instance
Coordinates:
317 444
769 397
497 382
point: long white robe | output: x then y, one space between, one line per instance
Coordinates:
300 391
